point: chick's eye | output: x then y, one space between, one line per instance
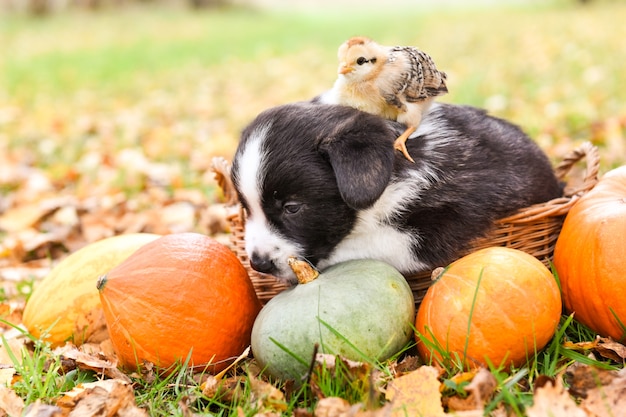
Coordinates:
292 207
361 60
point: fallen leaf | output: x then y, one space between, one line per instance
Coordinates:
610 349
12 347
109 397
39 409
416 393
480 389
10 402
603 346
583 378
185 410
408 364
458 379
608 399
332 407
96 362
552 400
351 373
302 412
23 216
482 386
7 372
221 169
224 389
330 362
338 407
10 312
265 396
580 346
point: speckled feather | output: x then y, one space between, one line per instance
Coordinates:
420 80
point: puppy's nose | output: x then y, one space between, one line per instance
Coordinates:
262 263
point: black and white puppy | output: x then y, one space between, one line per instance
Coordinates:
323 182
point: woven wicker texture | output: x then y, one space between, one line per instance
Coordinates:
533 229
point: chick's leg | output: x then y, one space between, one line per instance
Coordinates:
411 118
400 143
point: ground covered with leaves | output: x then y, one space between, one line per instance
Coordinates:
109 130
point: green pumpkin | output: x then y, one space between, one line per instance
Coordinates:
362 310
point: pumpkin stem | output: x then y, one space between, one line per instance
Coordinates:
102 280
305 272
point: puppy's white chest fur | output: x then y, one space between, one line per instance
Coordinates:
373 236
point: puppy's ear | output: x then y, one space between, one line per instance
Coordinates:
360 150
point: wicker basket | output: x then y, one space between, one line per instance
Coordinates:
533 229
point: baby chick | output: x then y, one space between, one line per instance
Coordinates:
398 83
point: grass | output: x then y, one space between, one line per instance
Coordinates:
42 377
179 86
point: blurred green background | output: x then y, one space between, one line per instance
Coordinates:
81 83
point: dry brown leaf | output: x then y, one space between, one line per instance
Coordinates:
39 409
460 378
215 219
416 393
407 364
583 378
24 216
11 312
224 389
360 374
221 168
580 346
332 407
330 362
36 269
338 407
183 407
610 349
97 226
552 400
96 362
607 399
481 388
266 396
10 402
603 346
14 347
355 370
302 412
7 373
109 397
267 414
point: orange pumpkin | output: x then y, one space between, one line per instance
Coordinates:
495 305
180 295
590 257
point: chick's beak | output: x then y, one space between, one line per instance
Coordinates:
345 68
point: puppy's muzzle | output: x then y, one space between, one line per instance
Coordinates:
262 263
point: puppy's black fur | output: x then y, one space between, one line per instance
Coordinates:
327 170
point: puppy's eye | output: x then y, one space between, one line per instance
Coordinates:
361 60
292 207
